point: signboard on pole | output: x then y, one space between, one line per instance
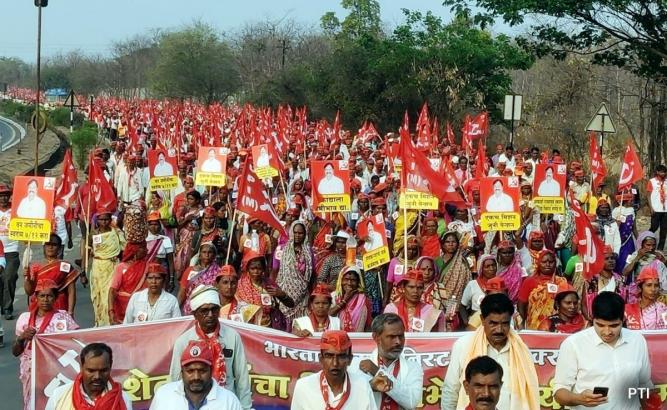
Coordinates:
601 121
512 107
71 100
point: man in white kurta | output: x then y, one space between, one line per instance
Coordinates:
407 376
334 386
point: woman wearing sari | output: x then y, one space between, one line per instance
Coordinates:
257 289
416 315
43 317
648 313
606 281
476 289
430 241
434 291
510 269
330 265
644 255
231 308
129 278
454 270
567 318
203 273
350 303
624 215
106 242
296 273
318 318
537 293
608 227
187 220
399 266
61 273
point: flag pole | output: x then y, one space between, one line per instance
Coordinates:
85 255
405 235
231 235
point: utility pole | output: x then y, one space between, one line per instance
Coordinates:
39 4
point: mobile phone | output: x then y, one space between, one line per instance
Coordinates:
601 390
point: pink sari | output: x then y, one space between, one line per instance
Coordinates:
183 251
512 275
355 316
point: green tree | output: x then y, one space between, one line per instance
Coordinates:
363 19
624 33
194 63
83 139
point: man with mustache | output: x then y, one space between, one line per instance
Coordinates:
334 387
93 388
197 388
496 339
407 377
483 380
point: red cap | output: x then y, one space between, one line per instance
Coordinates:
496 284
44 284
197 351
565 288
379 201
412 274
209 211
321 290
153 216
648 272
336 340
226 270
608 250
156 268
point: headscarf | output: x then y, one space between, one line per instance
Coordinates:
436 273
540 256
642 237
295 273
512 274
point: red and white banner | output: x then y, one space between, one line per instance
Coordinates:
142 353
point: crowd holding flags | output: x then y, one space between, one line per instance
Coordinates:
316 224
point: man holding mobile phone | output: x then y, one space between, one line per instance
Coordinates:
597 366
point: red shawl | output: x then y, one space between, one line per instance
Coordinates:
62 279
219 369
111 400
430 246
134 277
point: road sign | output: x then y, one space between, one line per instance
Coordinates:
601 121
71 100
512 107
42 121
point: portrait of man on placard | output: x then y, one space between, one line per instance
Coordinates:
32 206
549 180
499 201
372 231
263 159
330 184
162 167
211 164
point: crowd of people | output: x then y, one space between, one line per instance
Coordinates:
159 254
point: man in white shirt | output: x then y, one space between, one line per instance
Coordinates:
197 388
211 164
330 184
8 275
483 380
205 304
658 203
32 206
162 168
605 356
520 390
407 377
334 386
499 201
508 157
93 386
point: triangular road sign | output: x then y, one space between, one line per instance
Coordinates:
601 121
71 100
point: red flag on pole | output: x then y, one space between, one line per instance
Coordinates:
255 201
102 191
598 169
423 130
68 182
417 174
450 135
632 170
482 165
589 245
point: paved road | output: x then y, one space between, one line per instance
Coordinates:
10 386
11 133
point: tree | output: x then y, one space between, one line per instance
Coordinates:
14 71
194 63
363 19
624 33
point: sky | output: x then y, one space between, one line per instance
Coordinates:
93 25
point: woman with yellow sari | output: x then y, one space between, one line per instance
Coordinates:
538 291
106 242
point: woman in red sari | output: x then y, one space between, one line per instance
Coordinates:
128 278
568 318
53 268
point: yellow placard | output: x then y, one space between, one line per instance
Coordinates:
500 221
164 183
334 203
31 230
210 179
417 200
376 257
550 204
266 172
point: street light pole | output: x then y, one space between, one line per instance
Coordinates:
39 4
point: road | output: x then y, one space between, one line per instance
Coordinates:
10 386
11 133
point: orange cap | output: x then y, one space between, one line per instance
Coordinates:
336 340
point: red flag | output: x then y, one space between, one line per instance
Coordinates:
255 201
450 134
68 182
423 130
482 165
598 169
589 243
632 170
417 174
476 127
102 191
